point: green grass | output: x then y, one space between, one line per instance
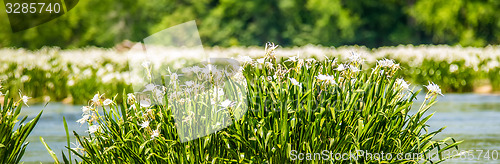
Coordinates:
365 110
13 132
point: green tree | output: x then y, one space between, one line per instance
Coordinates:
467 22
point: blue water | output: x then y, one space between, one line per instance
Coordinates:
470 117
473 118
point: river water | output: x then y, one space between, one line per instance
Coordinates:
473 118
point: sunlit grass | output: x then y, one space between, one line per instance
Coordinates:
14 131
305 105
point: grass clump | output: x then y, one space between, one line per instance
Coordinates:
13 137
292 106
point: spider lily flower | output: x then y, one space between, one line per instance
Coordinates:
145 103
189 83
93 129
327 79
130 98
227 104
77 147
385 63
25 100
295 82
144 124
354 68
261 60
434 89
86 109
293 58
83 119
174 77
246 59
155 133
107 102
149 87
269 78
355 58
401 83
453 68
311 60
96 100
341 67
270 47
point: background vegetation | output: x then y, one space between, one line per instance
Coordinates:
105 23
299 104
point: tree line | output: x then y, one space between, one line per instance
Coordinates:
105 23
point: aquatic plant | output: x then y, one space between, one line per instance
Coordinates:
294 105
13 132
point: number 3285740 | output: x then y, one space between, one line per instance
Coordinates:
25 8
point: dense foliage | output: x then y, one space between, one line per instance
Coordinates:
299 104
14 132
105 23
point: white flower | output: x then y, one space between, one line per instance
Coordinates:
77 147
195 69
25 100
401 83
269 65
261 60
453 68
270 47
159 95
149 87
323 77
145 103
226 104
86 109
155 133
341 67
355 58
174 77
326 78
25 78
107 102
144 124
386 63
45 98
434 88
246 59
295 82
189 83
83 119
96 100
146 64
269 78
310 60
218 91
354 68
293 58
93 129
130 98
